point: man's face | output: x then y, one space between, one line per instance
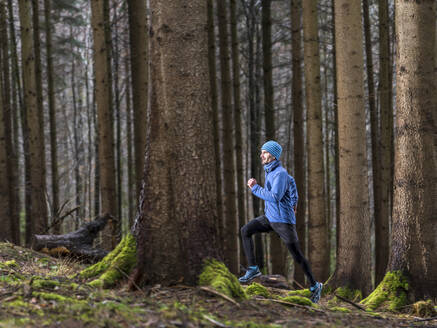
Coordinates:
266 157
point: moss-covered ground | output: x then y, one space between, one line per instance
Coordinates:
40 291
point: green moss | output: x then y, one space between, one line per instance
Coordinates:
120 265
424 309
300 292
16 303
100 267
74 286
297 300
216 275
391 293
44 283
340 309
52 297
353 295
11 264
257 289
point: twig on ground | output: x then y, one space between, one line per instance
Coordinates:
300 286
350 302
215 322
212 291
427 319
290 304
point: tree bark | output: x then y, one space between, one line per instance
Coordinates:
415 182
139 71
230 230
175 229
353 256
105 126
298 130
385 145
317 228
10 159
130 163
38 210
215 115
241 186
52 118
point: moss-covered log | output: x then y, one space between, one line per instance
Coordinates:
116 266
78 243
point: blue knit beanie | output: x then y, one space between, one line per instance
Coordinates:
273 148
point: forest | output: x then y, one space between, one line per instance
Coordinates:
129 131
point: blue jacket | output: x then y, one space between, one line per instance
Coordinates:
279 194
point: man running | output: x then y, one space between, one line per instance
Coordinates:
280 196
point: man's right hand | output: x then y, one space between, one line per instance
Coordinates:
251 182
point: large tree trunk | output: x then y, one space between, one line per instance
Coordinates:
176 226
105 126
317 224
215 116
38 210
139 70
298 129
231 255
52 118
353 255
385 146
415 183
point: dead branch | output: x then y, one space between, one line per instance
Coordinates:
212 291
351 303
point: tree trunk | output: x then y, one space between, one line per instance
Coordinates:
215 115
415 182
241 186
385 145
130 166
38 210
5 219
105 127
176 226
229 203
317 228
11 163
52 119
17 100
353 256
298 130
139 71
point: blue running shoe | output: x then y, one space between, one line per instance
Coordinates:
316 292
251 273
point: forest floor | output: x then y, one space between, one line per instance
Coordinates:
37 290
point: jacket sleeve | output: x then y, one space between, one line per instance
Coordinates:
279 187
293 192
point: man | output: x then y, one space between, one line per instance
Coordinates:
280 196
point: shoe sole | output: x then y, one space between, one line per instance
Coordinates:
249 280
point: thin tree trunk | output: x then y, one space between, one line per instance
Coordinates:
298 129
237 119
384 146
38 211
353 259
317 229
52 118
139 69
229 202
10 158
415 184
178 163
130 166
119 168
215 115
97 197
105 127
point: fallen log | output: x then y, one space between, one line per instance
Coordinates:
78 244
